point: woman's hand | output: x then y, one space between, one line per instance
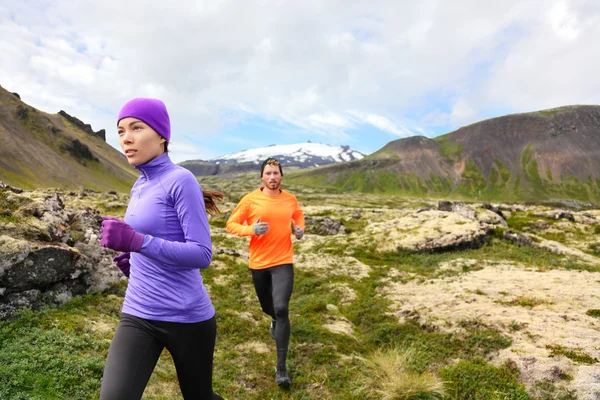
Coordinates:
118 235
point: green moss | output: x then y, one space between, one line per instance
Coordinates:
524 301
472 182
551 112
479 381
439 185
593 313
493 178
452 151
575 354
526 156
504 172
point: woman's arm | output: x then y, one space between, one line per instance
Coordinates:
196 251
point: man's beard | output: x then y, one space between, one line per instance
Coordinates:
274 185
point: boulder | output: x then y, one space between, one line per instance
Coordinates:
429 231
49 253
324 226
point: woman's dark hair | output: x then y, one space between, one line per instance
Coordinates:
210 201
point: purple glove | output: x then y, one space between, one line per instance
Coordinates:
122 261
118 235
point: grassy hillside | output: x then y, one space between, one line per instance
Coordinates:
523 157
48 150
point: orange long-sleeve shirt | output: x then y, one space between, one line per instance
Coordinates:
275 246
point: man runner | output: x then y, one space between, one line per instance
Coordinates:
270 215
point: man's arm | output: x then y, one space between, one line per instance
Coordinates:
298 220
298 216
237 219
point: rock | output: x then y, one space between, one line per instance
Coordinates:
229 252
429 231
11 188
445 205
458 208
493 209
517 238
570 204
324 226
49 253
566 215
556 214
487 217
540 225
36 267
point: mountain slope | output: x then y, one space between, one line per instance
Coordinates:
300 155
530 156
56 150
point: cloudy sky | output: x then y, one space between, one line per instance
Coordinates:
243 74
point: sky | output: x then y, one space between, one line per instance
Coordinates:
242 74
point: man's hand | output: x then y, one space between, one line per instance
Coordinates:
299 232
260 228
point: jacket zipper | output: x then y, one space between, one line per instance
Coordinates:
140 192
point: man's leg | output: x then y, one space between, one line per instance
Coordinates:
282 278
132 356
264 290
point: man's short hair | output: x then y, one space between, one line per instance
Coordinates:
270 161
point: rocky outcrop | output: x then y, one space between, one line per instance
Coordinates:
324 226
87 128
48 252
455 227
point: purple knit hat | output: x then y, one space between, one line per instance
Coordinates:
151 111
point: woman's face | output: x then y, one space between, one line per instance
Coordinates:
139 141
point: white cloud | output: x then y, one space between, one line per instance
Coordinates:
563 22
400 67
382 123
329 119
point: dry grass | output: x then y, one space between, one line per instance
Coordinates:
389 377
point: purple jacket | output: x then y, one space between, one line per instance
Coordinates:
167 206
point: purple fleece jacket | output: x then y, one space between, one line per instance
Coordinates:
167 206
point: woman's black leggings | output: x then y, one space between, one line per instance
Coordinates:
274 287
135 350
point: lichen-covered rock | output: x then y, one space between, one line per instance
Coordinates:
324 226
429 230
517 238
49 253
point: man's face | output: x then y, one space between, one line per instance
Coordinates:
271 177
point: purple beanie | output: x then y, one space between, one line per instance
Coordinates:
152 111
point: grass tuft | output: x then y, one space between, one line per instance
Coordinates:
388 376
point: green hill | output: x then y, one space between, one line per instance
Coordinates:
56 150
520 157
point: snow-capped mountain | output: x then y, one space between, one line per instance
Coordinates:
301 155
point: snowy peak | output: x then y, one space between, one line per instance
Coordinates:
302 155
